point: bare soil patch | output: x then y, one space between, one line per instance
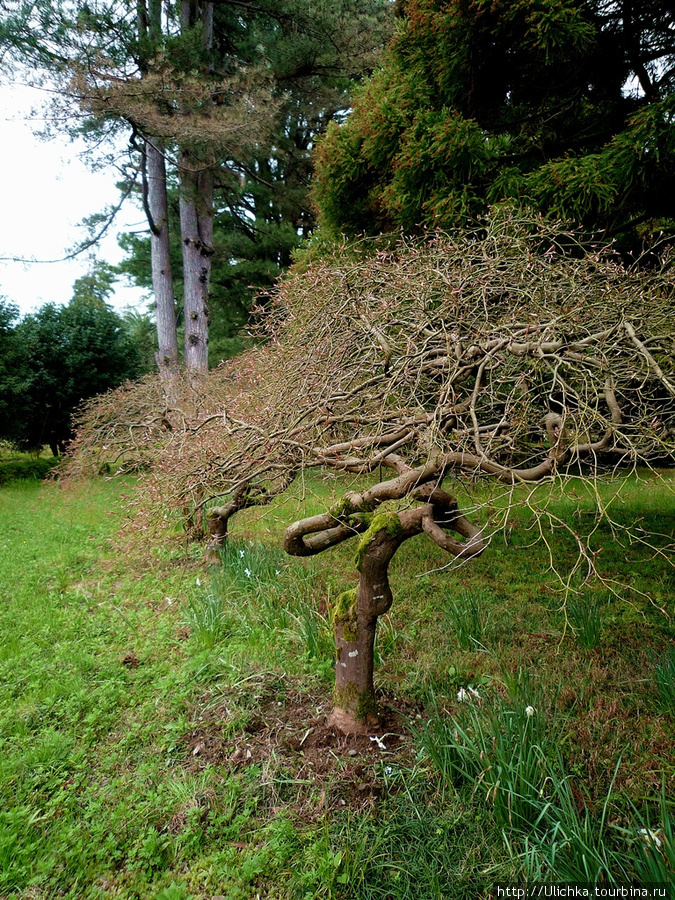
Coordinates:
305 764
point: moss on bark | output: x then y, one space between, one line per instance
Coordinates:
361 704
385 521
345 613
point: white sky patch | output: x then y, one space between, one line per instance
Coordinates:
46 191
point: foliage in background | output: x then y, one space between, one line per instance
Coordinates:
54 359
563 106
249 107
21 468
10 358
262 210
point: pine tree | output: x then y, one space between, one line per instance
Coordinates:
200 85
563 105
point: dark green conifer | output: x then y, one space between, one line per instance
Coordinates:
564 105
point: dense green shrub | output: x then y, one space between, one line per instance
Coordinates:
54 359
480 102
26 468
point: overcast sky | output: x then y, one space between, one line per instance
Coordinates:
46 190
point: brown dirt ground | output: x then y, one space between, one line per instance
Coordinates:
306 765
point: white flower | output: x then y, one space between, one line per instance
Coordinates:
649 837
241 552
198 582
467 694
277 572
379 742
388 770
529 711
247 573
168 600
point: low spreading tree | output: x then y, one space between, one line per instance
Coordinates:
508 356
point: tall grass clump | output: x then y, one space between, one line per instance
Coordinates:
506 747
573 841
664 673
568 840
251 565
205 616
259 595
586 618
313 631
465 617
501 745
652 843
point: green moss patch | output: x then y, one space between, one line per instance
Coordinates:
384 521
345 614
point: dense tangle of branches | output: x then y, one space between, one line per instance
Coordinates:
510 355
507 351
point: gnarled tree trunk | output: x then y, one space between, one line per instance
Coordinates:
354 623
356 612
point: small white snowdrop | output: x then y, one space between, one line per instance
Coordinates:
529 711
198 582
388 770
651 837
241 552
467 693
379 742
247 573
277 572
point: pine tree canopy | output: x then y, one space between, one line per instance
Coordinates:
566 106
245 109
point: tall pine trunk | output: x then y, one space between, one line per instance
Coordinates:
160 254
196 226
149 24
196 216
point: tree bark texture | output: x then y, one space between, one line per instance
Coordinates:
218 518
162 278
356 612
196 225
354 624
149 24
196 217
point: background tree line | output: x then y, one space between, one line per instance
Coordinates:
563 106
53 359
221 103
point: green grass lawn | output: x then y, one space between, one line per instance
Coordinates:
162 728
